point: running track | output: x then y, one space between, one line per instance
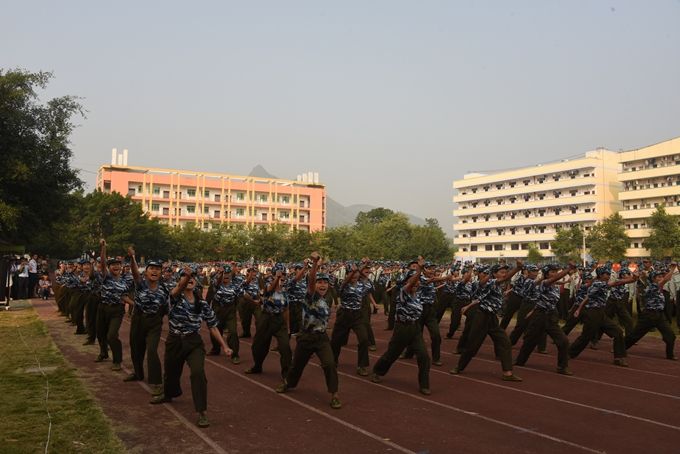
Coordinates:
602 408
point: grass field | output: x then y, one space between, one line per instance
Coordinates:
77 422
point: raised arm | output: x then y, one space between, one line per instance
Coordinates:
102 255
133 266
669 275
416 276
560 275
182 283
511 273
311 280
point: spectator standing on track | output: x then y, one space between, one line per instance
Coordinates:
44 287
22 280
313 338
32 275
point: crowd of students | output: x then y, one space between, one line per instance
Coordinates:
293 303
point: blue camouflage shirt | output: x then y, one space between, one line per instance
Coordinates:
152 301
227 294
518 285
490 296
275 303
183 319
351 296
619 293
598 293
654 298
296 290
463 290
548 297
252 289
427 291
580 295
315 314
409 308
113 289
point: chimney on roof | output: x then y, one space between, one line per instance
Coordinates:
114 156
125 156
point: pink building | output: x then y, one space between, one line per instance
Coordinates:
207 199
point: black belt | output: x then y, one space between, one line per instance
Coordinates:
407 322
182 336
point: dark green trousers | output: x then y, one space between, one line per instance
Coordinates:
145 334
226 319
486 324
392 295
78 314
366 311
271 326
109 318
307 345
445 301
571 322
295 316
406 336
521 326
647 321
91 308
429 320
512 305
61 295
345 321
594 321
540 324
462 341
619 309
188 349
247 311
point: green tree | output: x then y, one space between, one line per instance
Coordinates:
533 254
607 240
374 216
664 237
430 242
36 176
568 244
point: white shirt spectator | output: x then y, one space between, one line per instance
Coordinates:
32 266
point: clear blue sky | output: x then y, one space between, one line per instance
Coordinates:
389 100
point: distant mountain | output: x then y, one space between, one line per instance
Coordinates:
336 213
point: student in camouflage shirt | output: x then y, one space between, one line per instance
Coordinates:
595 319
250 301
112 308
151 304
407 330
224 303
313 338
544 319
187 312
652 315
489 299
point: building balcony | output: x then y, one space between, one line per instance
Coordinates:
520 189
566 218
638 233
637 252
649 173
509 238
644 213
521 205
504 254
651 193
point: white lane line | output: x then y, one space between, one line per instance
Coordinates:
544 396
209 441
477 415
316 410
206 439
456 409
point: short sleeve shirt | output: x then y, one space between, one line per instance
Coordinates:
548 297
315 314
226 295
351 296
409 308
152 301
491 296
113 289
183 319
598 293
654 298
275 303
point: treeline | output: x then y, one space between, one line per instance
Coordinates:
379 234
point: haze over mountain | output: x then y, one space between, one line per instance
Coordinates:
336 213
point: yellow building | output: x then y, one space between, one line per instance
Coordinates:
500 214
650 177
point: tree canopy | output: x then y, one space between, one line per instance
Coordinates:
568 244
664 236
36 178
607 240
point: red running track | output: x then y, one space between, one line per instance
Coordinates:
602 408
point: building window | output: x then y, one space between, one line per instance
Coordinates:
284 199
166 211
263 216
191 192
240 212
544 245
155 207
166 194
217 213
488 247
514 247
218 198
156 190
284 215
240 196
262 198
498 247
131 191
206 194
191 209
302 218
206 209
473 248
